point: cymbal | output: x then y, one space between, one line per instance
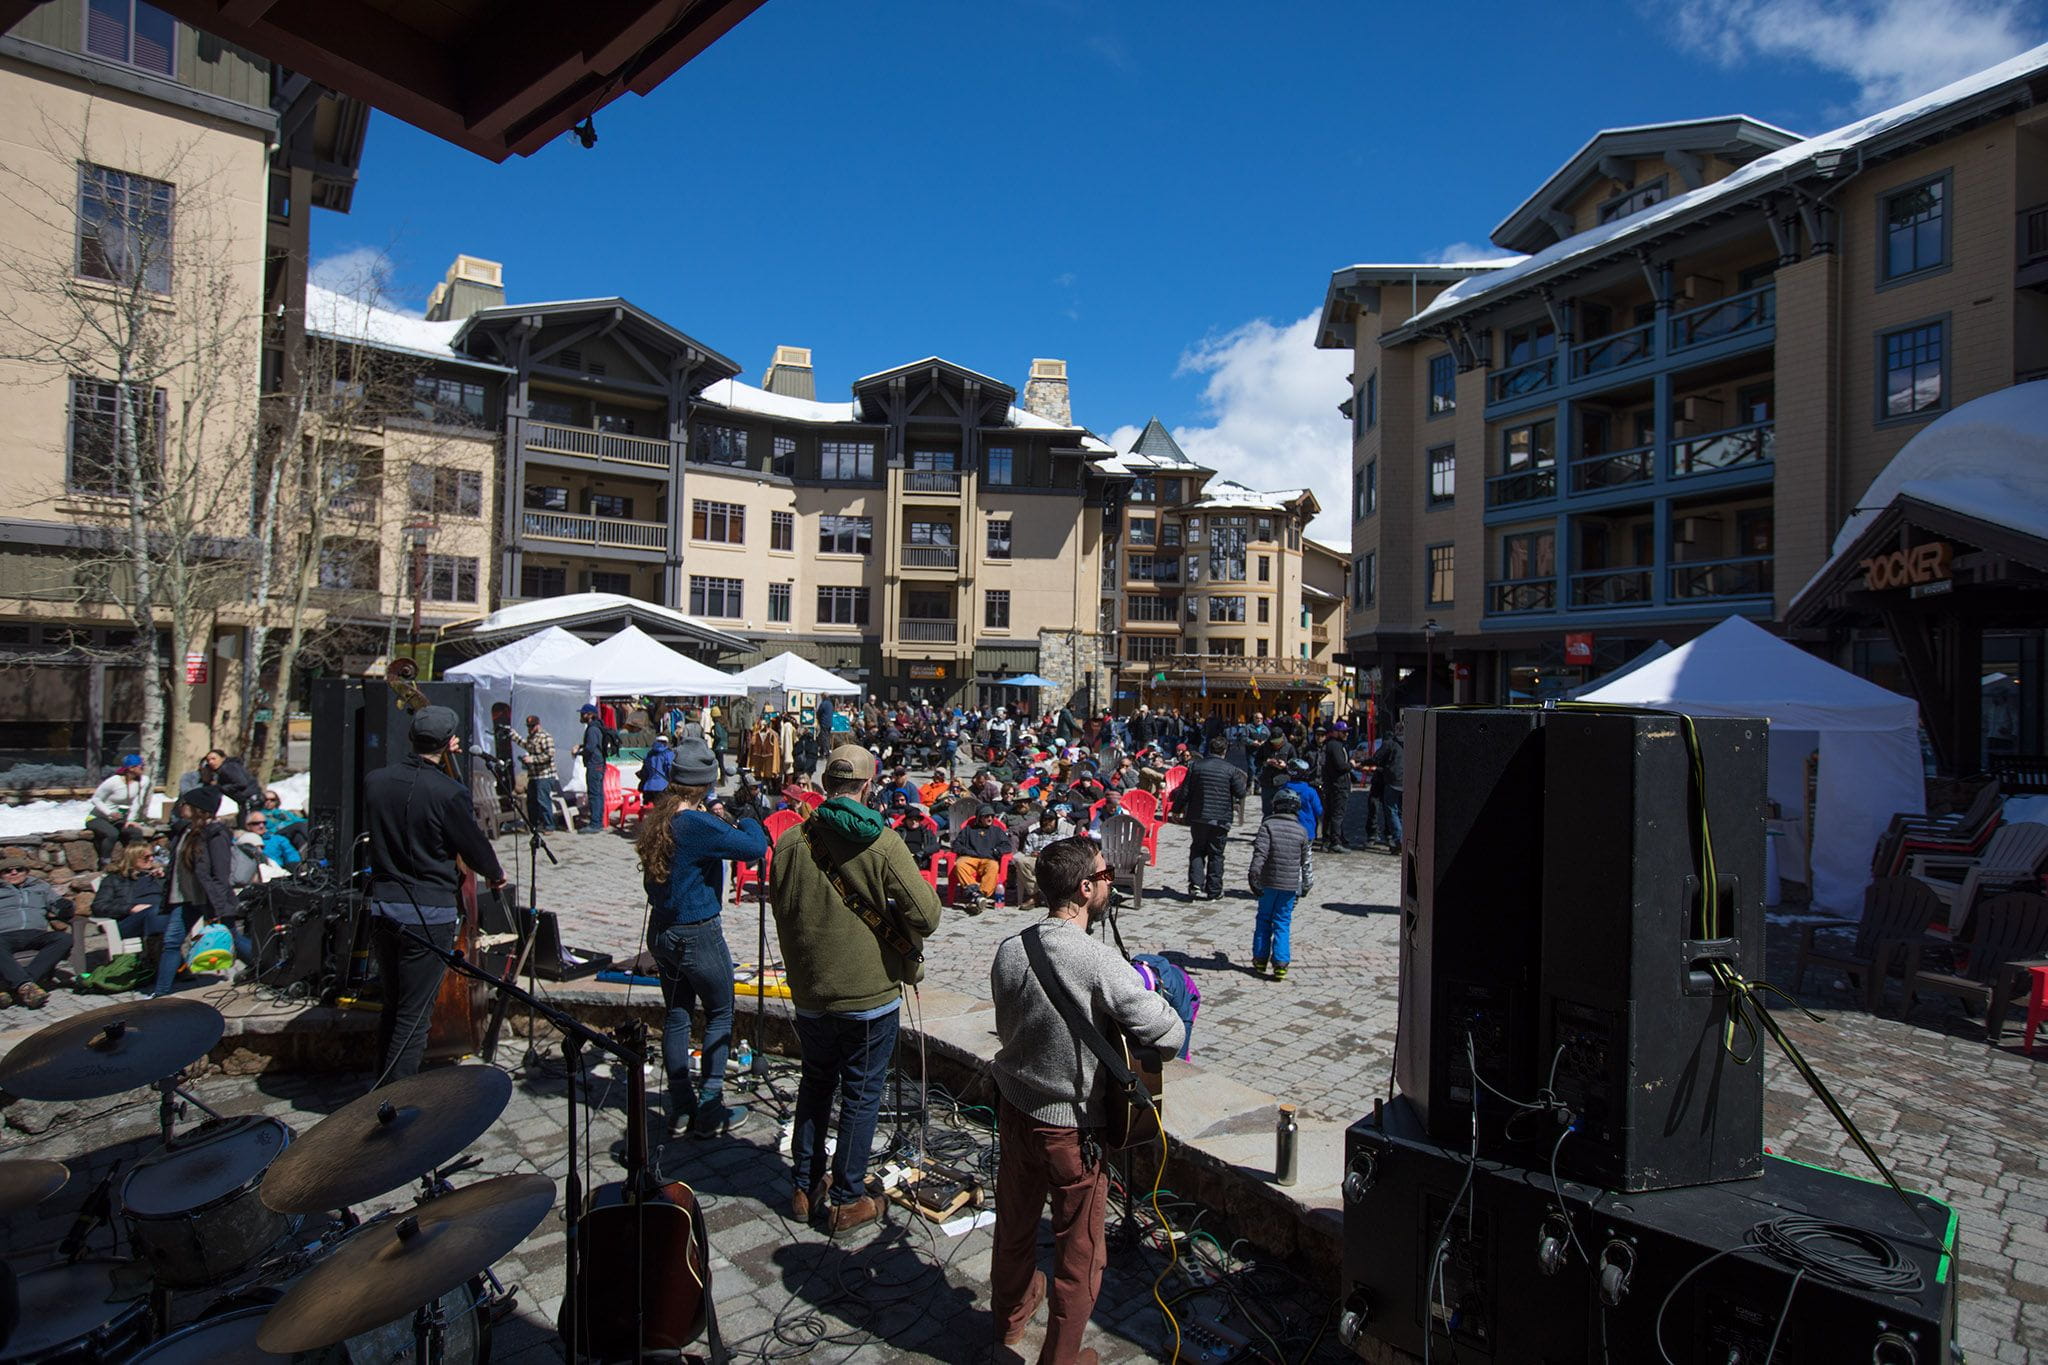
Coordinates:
388 1137
111 1049
28 1182
388 1269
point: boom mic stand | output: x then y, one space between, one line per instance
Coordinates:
536 844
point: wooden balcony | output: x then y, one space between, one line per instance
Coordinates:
641 452
937 483
609 533
923 632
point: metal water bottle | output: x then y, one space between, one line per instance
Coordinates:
1286 1147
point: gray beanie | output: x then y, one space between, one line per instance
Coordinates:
693 765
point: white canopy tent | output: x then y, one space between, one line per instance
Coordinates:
633 663
1868 739
512 674
1656 650
788 672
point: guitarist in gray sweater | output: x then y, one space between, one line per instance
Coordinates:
1051 1101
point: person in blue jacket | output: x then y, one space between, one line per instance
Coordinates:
683 851
1311 812
591 751
654 770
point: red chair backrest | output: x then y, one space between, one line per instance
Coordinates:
811 799
780 823
1142 804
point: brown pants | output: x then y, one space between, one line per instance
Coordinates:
1039 1159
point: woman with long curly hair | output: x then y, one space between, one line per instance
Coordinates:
683 851
199 884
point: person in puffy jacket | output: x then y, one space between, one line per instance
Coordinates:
1282 869
1207 802
654 769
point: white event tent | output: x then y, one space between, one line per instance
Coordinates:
513 674
1868 739
786 673
633 663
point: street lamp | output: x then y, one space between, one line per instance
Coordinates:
1429 630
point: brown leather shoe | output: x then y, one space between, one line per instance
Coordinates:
31 995
806 1205
862 1211
1033 1296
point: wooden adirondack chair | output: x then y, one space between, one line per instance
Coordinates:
2009 935
2010 860
1896 913
1123 849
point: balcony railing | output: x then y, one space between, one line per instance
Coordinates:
1719 450
1611 352
1523 485
1522 594
931 556
1613 469
609 532
1213 665
928 632
931 481
1611 587
598 445
1749 576
1532 377
1738 313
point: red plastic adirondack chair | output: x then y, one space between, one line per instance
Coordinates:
748 874
620 800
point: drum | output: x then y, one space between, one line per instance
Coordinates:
78 1315
192 1210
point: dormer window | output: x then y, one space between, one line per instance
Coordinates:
1634 200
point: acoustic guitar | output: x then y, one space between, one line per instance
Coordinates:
643 1272
1132 1122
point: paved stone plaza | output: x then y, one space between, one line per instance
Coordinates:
1958 1119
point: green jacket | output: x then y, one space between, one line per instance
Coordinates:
835 963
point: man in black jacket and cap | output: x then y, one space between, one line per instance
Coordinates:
420 822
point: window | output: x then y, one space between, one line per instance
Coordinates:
995 609
1194 607
132 33
562 412
1442 559
1528 554
537 580
1365 587
96 461
1142 490
1915 229
1194 530
1531 342
1915 362
1263 642
1443 475
611 505
1146 648
450 578
1265 568
1369 399
1169 535
124 228
1262 529
783 460
1265 612
1194 568
1228 649
618 423
1167 490
1226 607
446 492
1443 384
934 459
714 596
999 538
1634 200
1149 607
845 535
928 604
782 531
1002 465
1153 568
1528 447
778 604
348 564
450 402
722 522
547 497
846 460
1227 538
601 580
1144 531
720 445
930 533
1365 490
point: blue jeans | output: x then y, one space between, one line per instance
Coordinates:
540 802
696 968
851 1056
1270 941
177 922
1386 816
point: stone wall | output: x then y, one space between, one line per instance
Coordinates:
66 859
1073 659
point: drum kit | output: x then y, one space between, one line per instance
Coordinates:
259 1219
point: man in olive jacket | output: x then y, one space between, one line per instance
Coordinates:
845 979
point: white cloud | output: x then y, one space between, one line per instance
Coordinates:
1892 49
361 272
1271 402
1470 253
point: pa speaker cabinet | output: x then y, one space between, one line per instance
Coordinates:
1632 1016
358 727
1471 913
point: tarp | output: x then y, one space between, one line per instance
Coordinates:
1657 650
1026 680
1868 739
509 674
633 663
788 672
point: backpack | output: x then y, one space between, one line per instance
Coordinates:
128 972
245 865
611 742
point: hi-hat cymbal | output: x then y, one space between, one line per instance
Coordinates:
111 1049
28 1182
389 1136
388 1269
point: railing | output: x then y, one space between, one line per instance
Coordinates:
1523 485
1749 576
1611 587
1718 450
1273 666
928 632
1319 634
598 445
931 556
1522 594
606 531
352 504
1738 313
931 481
1532 377
2033 235
1611 352
1613 469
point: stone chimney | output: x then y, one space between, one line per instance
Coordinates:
789 374
471 285
1045 393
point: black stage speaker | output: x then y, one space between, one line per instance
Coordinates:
358 727
1630 1015
1471 911
1506 1266
296 927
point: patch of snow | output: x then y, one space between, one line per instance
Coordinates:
294 792
42 817
344 317
738 397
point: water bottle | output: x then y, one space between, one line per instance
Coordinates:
1286 1147
745 1056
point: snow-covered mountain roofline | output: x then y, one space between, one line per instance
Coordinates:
1357 286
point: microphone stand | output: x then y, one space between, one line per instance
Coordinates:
536 845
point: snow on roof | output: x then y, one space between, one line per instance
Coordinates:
547 610
1424 267
1848 138
1228 494
738 397
1310 590
346 317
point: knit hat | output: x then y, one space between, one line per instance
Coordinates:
205 800
693 765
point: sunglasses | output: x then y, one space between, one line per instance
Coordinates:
1107 874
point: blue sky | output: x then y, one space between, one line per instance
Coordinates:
1155 193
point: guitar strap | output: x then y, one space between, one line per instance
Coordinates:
884 929
1126 1082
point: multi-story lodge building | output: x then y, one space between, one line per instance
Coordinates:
1711 336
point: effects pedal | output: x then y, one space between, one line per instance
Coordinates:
1211 1343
